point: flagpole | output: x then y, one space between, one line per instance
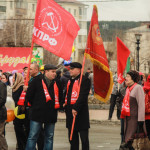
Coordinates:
27 78
74 117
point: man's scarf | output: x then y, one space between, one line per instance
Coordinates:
46 92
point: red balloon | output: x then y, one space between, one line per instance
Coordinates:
10 115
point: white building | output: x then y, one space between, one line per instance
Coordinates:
24 12
79 11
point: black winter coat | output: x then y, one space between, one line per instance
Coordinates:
42 111
16 95
81 106
3 96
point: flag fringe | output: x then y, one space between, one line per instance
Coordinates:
99 64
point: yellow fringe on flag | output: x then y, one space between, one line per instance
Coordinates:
99 64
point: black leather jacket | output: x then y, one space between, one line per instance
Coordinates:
3 95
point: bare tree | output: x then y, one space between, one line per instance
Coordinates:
17 33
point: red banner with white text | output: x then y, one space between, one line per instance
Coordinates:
14 58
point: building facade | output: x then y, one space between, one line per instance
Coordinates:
17 12
144 47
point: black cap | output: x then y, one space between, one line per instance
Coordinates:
49 67
75 65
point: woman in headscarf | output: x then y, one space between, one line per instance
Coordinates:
147 105
133 109
17 88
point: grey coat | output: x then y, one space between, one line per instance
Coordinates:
3 95
137 112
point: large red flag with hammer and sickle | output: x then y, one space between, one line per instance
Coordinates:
103 80
55 29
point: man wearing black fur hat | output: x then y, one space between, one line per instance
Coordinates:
44 94
76 104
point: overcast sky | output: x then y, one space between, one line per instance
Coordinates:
130 10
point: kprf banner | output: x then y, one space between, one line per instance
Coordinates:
14 58
55 29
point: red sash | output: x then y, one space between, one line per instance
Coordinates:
74 95
126 102
56 93
22 99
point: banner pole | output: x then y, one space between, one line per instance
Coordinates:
31 50
74 117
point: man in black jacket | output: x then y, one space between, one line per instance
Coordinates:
3 115
34 72
43 110
77 106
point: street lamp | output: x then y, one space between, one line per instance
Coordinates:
137 36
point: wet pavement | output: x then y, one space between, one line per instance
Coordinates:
104 134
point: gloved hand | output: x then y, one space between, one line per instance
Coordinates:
140 126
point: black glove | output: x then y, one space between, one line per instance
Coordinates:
140 126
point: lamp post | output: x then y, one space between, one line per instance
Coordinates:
137 36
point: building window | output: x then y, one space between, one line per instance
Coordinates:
11 5
80 11
2 8
23 5
69 10
80 25
33 7
80 39
75 12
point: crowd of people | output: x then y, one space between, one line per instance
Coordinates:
49 91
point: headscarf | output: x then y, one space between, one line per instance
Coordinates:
19 81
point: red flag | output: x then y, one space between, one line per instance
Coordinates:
54 29
103 80
122 56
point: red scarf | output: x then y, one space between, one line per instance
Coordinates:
75 90
126 102
48 98
56 93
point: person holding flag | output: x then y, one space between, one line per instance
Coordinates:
76 104
44 94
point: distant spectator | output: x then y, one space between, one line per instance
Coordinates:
25 71
146 88
5 78
25 68
64 78
58 74
88 72
113 100
92 83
